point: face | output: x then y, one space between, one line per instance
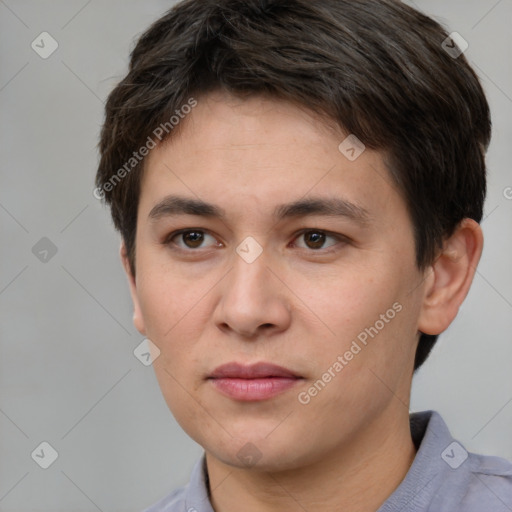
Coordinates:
327 289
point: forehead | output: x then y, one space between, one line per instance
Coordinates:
251 155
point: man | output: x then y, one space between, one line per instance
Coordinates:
298 186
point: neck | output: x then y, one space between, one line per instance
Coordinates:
358 476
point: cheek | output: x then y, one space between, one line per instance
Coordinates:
368 315
347 302
171 308
168 300
158 306
177 311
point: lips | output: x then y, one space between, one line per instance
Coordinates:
256 382
254 371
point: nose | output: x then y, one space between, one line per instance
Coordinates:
254 301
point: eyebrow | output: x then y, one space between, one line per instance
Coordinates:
329 206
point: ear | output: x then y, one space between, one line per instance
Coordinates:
138 320
450 277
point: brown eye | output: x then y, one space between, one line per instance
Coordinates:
192 239
189 239
315 239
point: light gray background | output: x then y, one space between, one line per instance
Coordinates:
68 375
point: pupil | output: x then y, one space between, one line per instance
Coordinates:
195 237
316 238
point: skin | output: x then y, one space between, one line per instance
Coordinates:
298 305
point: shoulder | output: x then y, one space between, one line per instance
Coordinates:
445 477
470 482
190 498
489 486
173 502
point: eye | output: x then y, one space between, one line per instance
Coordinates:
191 238
315 239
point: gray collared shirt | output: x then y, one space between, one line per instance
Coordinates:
443 477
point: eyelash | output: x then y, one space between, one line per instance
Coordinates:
330 249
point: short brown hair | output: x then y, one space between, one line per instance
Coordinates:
378 68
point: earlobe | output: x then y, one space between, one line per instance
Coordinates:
450 277
138 320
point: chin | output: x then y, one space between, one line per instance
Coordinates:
260 453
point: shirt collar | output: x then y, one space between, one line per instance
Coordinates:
431 438
430 435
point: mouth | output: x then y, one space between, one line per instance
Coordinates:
255 382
